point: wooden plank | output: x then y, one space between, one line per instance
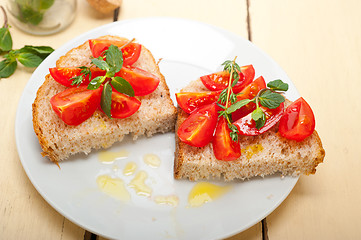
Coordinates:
318 43
24 213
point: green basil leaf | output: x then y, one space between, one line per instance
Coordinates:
237 105
278 85
114 58
259 117
29 59
110 73
122 86
42 51
96 82
11 56
6 42
106 99
271 99
7 68
100 64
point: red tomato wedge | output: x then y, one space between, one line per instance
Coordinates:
142 81
63 75
123 106
223 147
298 121
131 52
219 81
249 92
247 126
190 101
77 104
197 130
248 73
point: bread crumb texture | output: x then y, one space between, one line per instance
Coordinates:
262 155
58 141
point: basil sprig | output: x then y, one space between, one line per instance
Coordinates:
29 56
269 97
111 63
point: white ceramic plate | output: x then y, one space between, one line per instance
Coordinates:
188 50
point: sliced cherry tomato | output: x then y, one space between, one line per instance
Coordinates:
77 104
247 126
248 73
123 106
224 148
131 52
197 130
219 81
142 81
249 92
190 101
63 75
298 121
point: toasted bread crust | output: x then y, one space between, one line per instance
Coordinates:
58 140
262 155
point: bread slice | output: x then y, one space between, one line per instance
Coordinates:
262 155
58 141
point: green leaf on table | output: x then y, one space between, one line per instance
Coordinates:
271 99
7 68
41 51
106 99
29 59
6 42
122 86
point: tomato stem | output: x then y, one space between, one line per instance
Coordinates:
229 89
230 82
129 42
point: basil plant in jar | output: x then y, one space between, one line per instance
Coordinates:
41 17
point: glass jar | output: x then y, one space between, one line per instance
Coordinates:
41 17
